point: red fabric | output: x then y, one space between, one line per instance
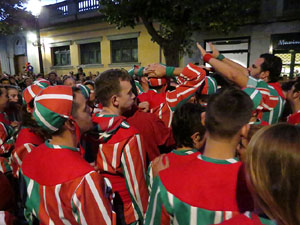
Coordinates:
55 166
118 184
175 159
211 186
154 132
242 219
294 118
277 87
207 57
27 136
3 119
154 98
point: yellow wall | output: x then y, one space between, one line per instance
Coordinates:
148 52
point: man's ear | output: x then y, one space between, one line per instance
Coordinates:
69 124
196 137
245 130
29 110
114 100
296 94
203 118
265 75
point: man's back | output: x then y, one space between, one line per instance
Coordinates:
58 185
204 191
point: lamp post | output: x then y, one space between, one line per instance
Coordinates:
35 7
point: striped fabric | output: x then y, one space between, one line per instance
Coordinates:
6 165
33 90
156 82
248 219
52 107
121 156
266 99
193 77
176 157
84 90
208 198
26 141
6 138
73 199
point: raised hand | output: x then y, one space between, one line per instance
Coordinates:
215 52
155 70
201 49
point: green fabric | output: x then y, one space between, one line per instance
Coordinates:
184 152
170 71
212 85
140 72
33 200
221 57
218 161
52 118
61 146
272 116
179 211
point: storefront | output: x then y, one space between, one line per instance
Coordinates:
287 47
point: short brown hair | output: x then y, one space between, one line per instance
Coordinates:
273 163
107 84
227 112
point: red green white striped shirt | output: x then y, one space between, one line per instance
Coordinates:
202 191
193 76
59 187
121 158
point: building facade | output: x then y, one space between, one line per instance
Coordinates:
278 32
74 34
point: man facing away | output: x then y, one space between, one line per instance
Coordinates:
121 157
57 185
210 188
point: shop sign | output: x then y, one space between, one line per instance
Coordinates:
286 41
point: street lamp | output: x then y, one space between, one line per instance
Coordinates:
35 7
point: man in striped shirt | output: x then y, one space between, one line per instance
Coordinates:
190 78
57 185
210 188
262 76
121 157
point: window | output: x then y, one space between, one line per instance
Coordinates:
90 53
236 49
291 5
61 56
124 50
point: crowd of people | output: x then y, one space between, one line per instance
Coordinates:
152 145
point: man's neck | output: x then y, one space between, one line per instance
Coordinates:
110 110
220 148
66 138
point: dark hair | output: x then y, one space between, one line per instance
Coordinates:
89 82
108 84
273 64
27 121
297 86
186 122
66 78
227 112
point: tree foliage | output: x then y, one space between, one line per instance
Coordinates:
13 16
178 19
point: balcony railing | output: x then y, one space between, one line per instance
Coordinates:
72 7
87 5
